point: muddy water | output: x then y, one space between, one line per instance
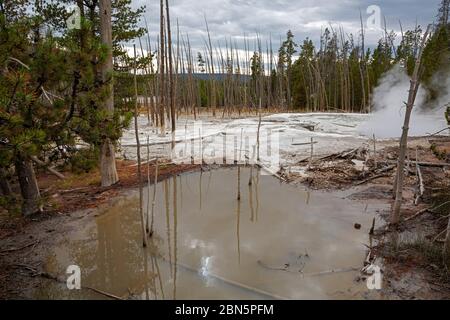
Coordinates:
277 242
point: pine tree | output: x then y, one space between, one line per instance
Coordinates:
32 101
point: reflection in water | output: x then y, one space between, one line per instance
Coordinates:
238 222
154 288
200 190
146 278
166 197
153 200
112 259
158 274
238 184
181 192
175 233
209 181
258 172
250 200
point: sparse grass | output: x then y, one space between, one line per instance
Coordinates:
429 254
440 154
431 251
441 200
79 180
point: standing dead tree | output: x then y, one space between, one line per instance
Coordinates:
161 67
414 87
171 82
107 155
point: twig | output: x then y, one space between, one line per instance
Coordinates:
418 213
303 143
433 134
439 206
430 209
372 178
20 248
423 164
330 272
109 295
440 233
25 266
52 277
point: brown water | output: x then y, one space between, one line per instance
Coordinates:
277 242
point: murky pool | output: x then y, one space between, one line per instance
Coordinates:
277 242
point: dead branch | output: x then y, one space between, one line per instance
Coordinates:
52 277
439 234
421 185
19 248
303 143
49 169
322 273
106 294
418 213
423 164
372 178
442 130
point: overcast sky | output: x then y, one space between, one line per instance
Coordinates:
306 18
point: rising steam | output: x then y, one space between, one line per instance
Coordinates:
388 106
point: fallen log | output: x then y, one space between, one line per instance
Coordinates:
423 164
372 178
49 169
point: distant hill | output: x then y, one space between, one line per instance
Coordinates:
217 76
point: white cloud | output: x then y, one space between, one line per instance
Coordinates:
306 18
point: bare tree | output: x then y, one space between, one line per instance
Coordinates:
161 67
107 155
414 87
171 91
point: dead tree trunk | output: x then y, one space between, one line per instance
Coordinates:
414 86
161 67
107 154
29 189
171 91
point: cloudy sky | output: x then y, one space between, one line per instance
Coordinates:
306 18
